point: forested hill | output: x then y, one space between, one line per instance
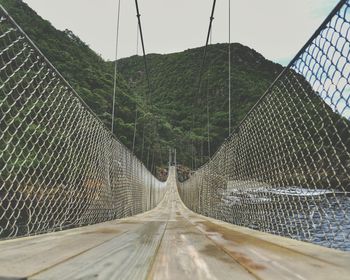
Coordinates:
174 91
165 116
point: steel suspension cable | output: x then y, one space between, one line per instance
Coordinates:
137 39
136 109
201 72
115 67
143 142
229 67
146 67
135 129
143 48
208 117
206 45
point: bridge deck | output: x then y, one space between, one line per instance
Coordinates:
169 242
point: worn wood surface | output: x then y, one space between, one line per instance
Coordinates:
169 242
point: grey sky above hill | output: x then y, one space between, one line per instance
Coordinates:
275 28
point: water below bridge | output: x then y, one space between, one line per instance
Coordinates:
316 216
169 242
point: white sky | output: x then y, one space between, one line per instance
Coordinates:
275 28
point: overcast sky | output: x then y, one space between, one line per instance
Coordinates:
275 28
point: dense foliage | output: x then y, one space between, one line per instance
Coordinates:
177 99
175 113
86 71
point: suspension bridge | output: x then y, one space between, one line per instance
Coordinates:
272 203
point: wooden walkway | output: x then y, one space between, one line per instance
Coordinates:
169 242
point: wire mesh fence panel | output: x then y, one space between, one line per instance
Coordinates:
59 166
286 168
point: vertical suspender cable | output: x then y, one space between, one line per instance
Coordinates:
136 109
143 142
160 154
137 39
200 74
146 69
135 128
148 157
152 162
169 157
115 68
229 67
206 45
208 118
143 48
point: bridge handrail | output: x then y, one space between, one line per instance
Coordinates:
286 168
60 166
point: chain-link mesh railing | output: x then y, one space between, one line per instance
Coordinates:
286 168
59 166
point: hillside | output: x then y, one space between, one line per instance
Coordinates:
174 79
166 118
86 71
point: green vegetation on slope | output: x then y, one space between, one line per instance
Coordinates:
174 79
86 71
175 113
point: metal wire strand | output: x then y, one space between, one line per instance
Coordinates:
60 167
286 168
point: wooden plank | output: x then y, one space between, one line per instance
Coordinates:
266 259
128 256
271 257
169 242
332 256
187 254
24 257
